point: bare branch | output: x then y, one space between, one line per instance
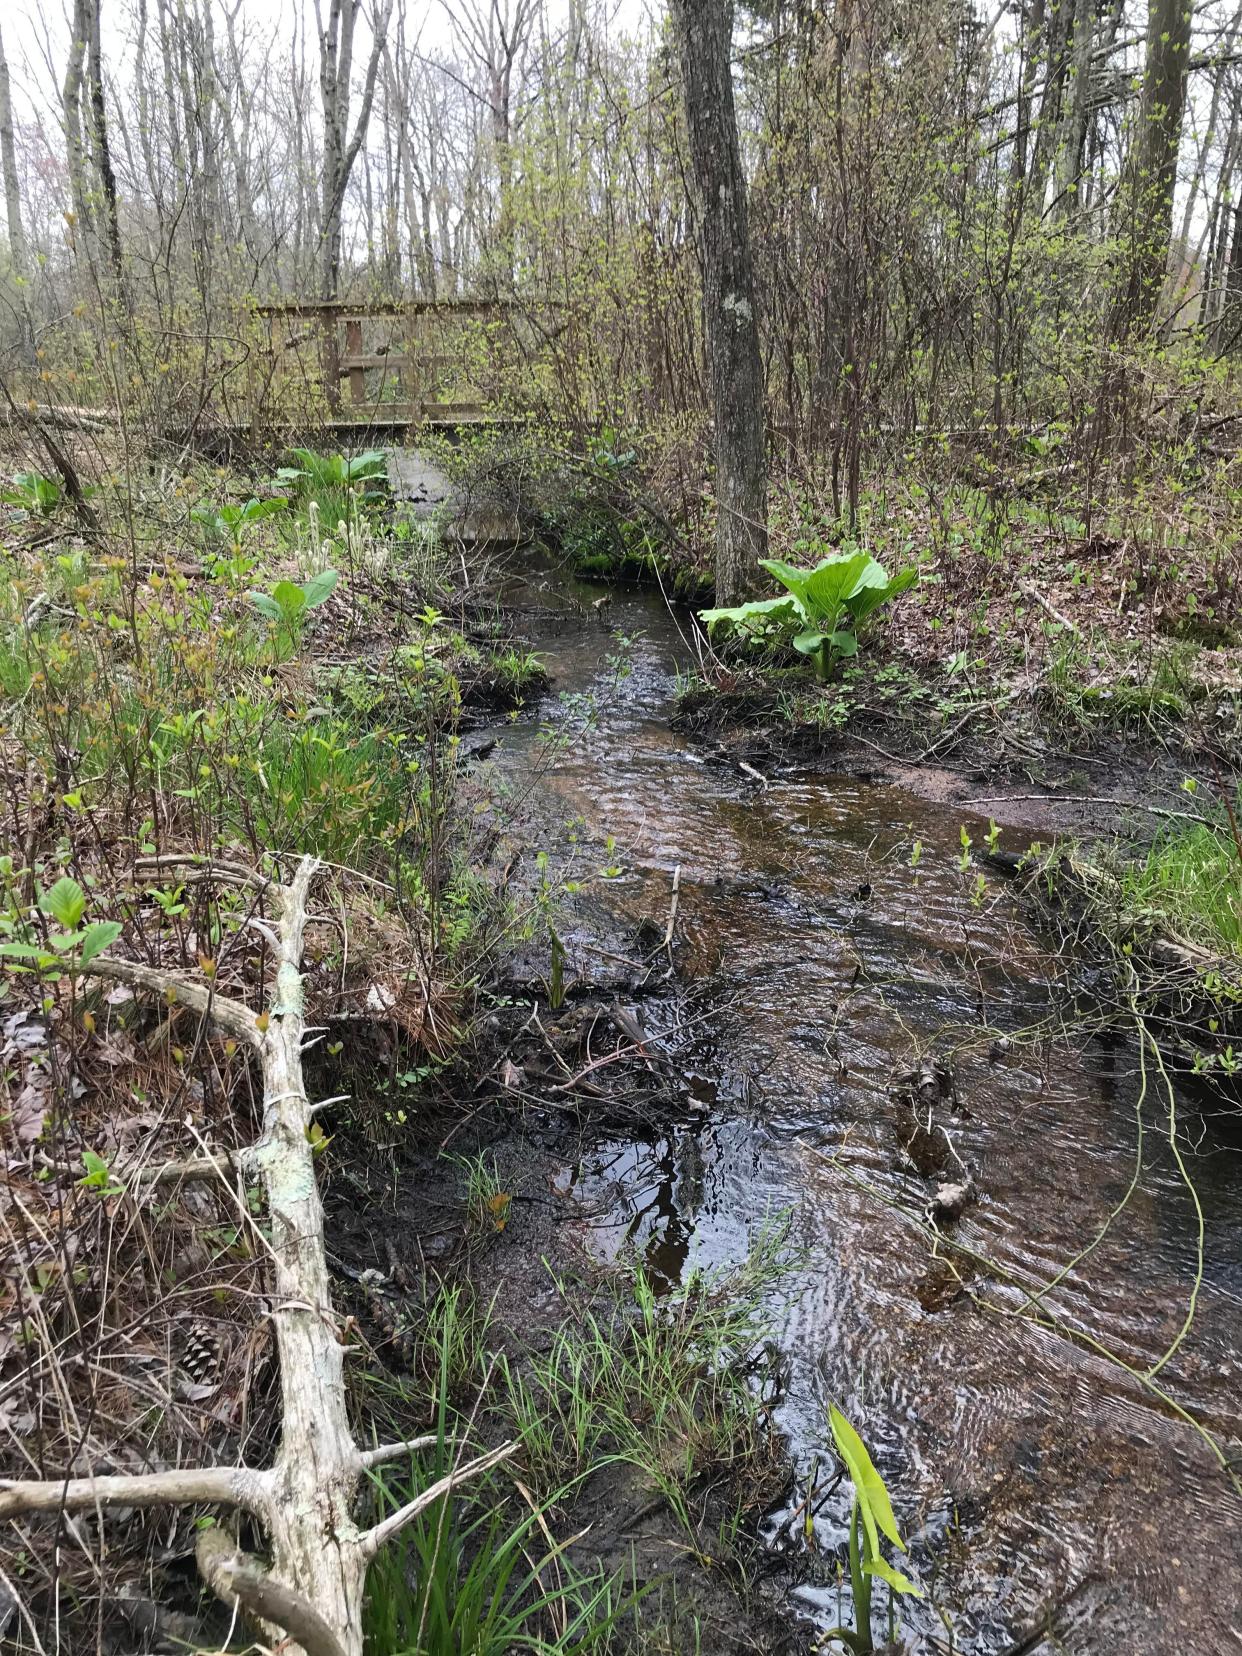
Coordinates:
175 1172
230 1015
239 1579
370 1543
394 1451
234 1486
206 868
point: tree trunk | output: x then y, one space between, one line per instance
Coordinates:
75 141
1055 44
8 163
1151 168
340 151
704 31
1074 122
99 142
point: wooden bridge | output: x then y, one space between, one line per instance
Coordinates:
390 365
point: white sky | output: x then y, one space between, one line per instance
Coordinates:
36 36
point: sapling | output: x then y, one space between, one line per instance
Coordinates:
871 1516
71 948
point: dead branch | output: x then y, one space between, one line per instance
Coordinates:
374 1539
229 1015
207 868
233 1486
239 1579
313 1587
395 1451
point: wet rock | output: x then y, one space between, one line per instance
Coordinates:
922 1138
950 1200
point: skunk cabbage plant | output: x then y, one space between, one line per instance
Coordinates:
824 608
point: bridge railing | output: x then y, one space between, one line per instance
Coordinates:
388 363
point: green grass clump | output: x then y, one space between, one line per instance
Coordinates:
669 1383
1190 884
478 1569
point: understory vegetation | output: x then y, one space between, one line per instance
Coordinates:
809 436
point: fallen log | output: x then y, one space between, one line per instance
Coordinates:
311 1590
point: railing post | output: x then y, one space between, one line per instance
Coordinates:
353 349
331 357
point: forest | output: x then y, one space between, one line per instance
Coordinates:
621 848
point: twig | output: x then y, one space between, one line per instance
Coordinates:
1037 597
374 1539
672 907
1085 799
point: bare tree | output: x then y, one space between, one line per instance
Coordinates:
8 164
340 148
71 116
704 30
101 148
495 34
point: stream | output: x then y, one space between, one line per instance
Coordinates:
1050 1500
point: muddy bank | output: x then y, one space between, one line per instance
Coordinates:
1050 787
838 928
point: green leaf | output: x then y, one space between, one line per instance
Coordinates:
792 579
319 587
66 902
267 605
877 1566
810 643
844 643
869 598
868 1484
94 1163
96 938
368 465
254 511
751 617
291 598
28 951
833 582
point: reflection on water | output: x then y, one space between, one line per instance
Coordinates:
1033 1475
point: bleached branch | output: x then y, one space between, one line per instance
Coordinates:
239 1579
371 1542
394 1451
227 1014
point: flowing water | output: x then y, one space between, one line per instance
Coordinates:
1052 1501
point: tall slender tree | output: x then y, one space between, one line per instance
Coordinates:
1150 178
8 165
704 33
340 147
